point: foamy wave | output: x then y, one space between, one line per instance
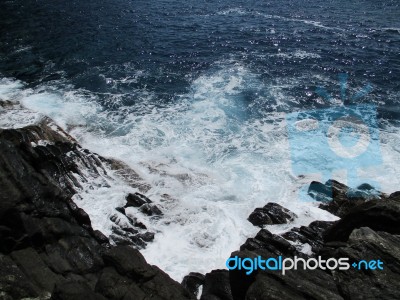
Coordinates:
297 54
232 11
242 12
307 22
209 161
10 89
390 29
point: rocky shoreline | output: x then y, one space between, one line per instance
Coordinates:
369 229
49 249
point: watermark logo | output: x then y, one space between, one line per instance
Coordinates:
343 137
249 265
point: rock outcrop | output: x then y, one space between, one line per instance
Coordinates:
271 213
339 199
48 248
192 282
368 230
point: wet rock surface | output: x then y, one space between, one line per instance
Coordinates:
339 199
192 282
271 213
379 215
62 162
48 249
368 230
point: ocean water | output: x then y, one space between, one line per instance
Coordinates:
194 95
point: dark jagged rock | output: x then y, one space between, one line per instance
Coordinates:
129 261
121 210
311 234
75 290
113 285
322 192
339 199
127 241
133 221
395 196
131 233
366 187
265 284
217 286
192 282
365 243
144 204
379 215
150 210
100 237
136 200
301 284
271 242
147 237
80 215
369 229
48 249
60 160
271 213
139 225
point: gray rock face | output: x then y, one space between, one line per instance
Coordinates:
48 248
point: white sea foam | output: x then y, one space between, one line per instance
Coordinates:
389 29
18 117
9 89
297 54
307 22
232 11
206 152
240 11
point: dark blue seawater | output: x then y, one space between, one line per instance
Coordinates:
85 43
194 95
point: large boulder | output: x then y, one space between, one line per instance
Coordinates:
379 215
